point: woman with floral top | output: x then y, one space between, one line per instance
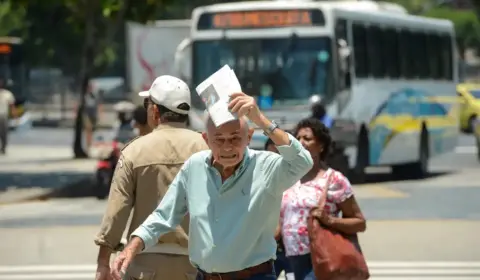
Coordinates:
305 194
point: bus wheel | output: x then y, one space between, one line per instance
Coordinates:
418 169
471 124
358 174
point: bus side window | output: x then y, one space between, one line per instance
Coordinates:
360 52
343 55
376 46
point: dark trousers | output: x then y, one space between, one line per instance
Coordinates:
282 263
3 134
302 267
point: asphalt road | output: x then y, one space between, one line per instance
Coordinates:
425 229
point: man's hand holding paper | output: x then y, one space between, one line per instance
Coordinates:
215 92
244 105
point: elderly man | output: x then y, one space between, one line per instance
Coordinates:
232 195
146 167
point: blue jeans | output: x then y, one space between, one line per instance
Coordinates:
282 264
302 267
261 276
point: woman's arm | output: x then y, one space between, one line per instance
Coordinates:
278 232
352 220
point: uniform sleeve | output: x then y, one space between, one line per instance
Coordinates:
169 213
340 189
119 205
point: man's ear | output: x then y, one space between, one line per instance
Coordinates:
205 137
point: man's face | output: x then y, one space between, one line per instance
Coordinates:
228 142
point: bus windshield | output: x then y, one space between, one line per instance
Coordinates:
286 71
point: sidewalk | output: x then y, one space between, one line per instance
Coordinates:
33 172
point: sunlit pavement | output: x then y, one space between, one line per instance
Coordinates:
426 229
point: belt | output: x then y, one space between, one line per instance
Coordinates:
246 273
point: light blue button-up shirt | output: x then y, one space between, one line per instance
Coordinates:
232 224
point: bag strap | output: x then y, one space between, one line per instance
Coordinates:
323 199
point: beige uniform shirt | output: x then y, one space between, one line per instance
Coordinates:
144 171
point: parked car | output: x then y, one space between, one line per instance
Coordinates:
469 94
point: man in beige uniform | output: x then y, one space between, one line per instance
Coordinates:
144 171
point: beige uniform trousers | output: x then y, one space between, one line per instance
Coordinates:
161 267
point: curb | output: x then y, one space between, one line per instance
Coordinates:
62 124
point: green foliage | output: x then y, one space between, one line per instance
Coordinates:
56 34
11 18
467 24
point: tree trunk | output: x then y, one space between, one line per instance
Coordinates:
85 74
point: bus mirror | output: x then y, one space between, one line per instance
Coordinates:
182 60
343 55
348 81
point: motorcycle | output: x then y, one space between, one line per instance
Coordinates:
105 168
108 153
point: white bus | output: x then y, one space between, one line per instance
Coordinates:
381 73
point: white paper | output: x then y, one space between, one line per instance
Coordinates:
215 92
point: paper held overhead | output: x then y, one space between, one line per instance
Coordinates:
215 93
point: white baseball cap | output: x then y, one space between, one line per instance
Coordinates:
169 92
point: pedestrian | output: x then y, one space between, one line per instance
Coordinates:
93 109
281 262
146 168
7 109
232 195
140 121
319 112
305 194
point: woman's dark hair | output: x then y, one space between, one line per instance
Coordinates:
140 115
268 143
320 132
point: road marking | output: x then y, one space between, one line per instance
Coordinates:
378 191
378 270
466 150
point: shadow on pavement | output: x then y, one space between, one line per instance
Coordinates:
39 180
19 187
39 161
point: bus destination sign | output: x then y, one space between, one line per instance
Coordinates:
261 19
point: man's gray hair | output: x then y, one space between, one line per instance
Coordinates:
209 121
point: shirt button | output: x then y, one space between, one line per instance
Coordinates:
216 220
214 245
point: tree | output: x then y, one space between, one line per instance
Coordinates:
467 26
11 18
78 36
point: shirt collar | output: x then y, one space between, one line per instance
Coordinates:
171 125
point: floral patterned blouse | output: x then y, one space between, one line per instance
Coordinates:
297 202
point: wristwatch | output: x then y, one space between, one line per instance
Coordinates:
267 131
